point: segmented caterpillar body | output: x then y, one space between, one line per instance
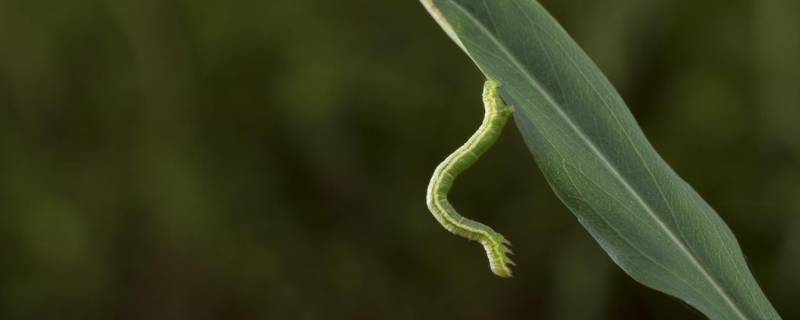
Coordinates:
495 117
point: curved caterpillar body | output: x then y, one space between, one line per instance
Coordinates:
495 117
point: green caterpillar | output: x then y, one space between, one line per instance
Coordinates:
495 117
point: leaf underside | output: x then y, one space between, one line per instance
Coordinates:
598 161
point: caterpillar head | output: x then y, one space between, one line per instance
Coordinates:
497 250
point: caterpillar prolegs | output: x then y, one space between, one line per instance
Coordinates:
496 115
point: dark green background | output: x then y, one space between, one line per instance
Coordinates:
268 159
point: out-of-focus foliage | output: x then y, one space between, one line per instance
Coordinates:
268 159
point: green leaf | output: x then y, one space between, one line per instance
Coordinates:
598 161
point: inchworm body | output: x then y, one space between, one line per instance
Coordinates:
496 115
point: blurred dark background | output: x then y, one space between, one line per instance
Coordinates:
268 159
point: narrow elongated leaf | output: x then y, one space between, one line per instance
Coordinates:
598 161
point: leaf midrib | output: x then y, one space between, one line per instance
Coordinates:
594 149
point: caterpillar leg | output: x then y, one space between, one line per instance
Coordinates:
496 115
